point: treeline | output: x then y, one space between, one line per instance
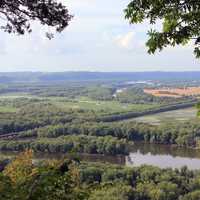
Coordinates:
35 113
63 89
70 90
39 114
71 179
198 107
157 109
66 144
182 134
46 120
100 92
136 95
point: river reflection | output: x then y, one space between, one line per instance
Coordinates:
163 156
119 159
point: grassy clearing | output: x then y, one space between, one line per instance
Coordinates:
170 116
101 106
7 109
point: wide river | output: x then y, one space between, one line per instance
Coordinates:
163 156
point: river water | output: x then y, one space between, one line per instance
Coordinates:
162 156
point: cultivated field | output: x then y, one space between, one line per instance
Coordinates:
169 116
174 92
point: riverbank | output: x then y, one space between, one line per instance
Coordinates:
163 156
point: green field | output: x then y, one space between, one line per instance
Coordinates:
8 105
170 116
84 103
7 109
99 106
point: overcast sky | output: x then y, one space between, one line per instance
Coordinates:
98 39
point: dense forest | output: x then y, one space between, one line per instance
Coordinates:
103 138
71 179
92 145
47 126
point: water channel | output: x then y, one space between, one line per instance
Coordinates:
163 156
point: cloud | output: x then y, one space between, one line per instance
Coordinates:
130 43
98 39
125 41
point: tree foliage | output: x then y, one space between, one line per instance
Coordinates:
65 144
54 180
180 22
18 15
21 168
68 179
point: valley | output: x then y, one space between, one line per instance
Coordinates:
99 117
104 131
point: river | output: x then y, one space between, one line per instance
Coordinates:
163 156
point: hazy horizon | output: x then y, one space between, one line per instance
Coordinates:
77 71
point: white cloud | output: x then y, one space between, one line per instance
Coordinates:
98 39
130 43
126 41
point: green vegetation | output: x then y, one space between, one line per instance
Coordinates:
137 95
102 107
82 144
198 107
89 118
178 116
70 179
80 129
6 109
186 134
180 22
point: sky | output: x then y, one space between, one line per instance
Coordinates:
97 39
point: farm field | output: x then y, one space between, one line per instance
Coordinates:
100 106
174 92
170 116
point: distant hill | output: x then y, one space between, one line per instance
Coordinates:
13 77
